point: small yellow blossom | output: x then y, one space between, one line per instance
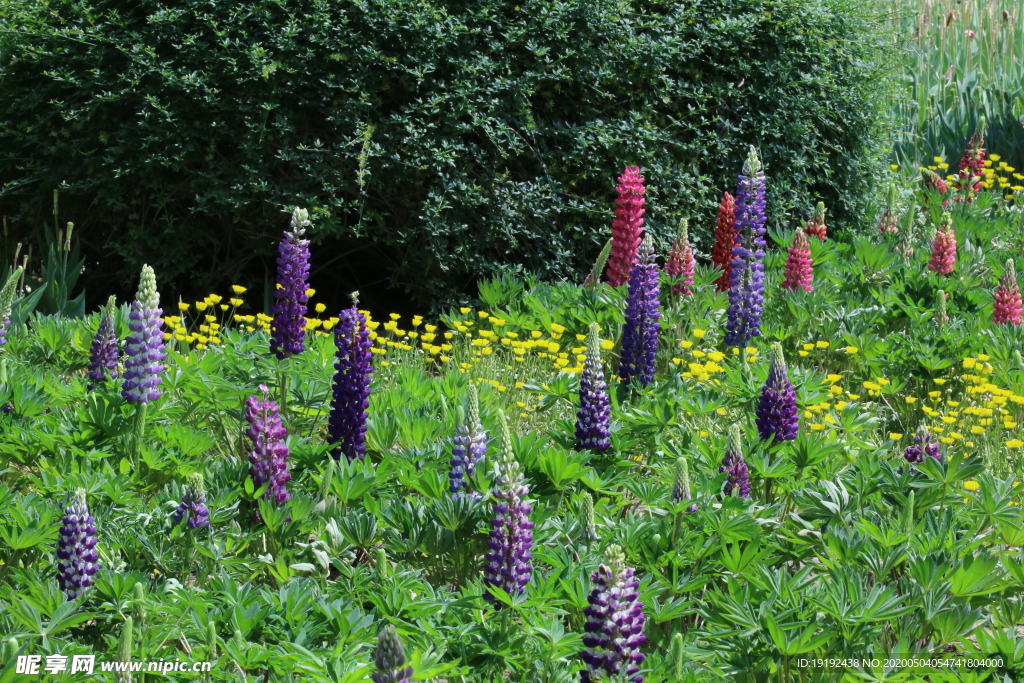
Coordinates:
817 427
699 334
238 289
822 344
182 306
971 485
894 436
1014 443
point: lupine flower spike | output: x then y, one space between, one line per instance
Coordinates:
587 520
269 455
193 504
145 345
594 277
746 288
932 181
968 179
777 410
941 314
7 295
508 562
943 259
103 356
1007 308
614 631
725 240
738 482
680 261
76 548
887 224
924 445
681 483
287 331
627 225
346 426
593 421
470 446
816 226
640 333
798 264
390 659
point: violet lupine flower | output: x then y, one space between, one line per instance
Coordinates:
7 295
746 286
627 225
269 457
103 357
193 504
640 333
680 261
470 446
508 563
923 445
390 659
738 482
346 426
614 632
76 548
145 346
288 330
777 411
593 420
681 484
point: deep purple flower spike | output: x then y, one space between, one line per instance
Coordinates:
593 420
738 482
346 427
614 632
288 329
390 659
103 356
924 445
640 333
76 548
145 345
269 456
508 562
777 410
193 504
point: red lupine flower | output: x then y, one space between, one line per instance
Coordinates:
932 181
798 264
1007 308
725 238
887 224
816 226
943 247
627 225
968 180
680 261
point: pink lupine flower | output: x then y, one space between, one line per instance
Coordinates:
798 264
627 225
680 261
943 247
816 226
1008 308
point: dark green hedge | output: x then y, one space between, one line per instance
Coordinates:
434 142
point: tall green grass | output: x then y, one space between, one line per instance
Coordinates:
952 79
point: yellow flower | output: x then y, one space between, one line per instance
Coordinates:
802 353
310 292
835 389
852 349
238 289
910 399
853 396
982 357
939 381
937 160
994 157
182 306
894 436
894 167
320 308
721 411
215 298
607 344
977 430
822 344
956 435
817 427
1014 443
483 314
971 485
686 344
968 363
202 305
699 334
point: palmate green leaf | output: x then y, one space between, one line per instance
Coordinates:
976 576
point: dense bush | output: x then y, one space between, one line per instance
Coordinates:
434 141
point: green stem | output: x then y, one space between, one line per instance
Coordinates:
282 384
138 432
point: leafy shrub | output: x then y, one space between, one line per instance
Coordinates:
434 142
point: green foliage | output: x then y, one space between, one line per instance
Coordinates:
433 142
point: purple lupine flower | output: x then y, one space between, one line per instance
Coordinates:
103 357
640 333
76 548
681 484
145 346
346 426
288 330
470 446
615 624
269 456
746 288
193 504
508 563
7 294
593 420
777 411
924 444
737 482
390 659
